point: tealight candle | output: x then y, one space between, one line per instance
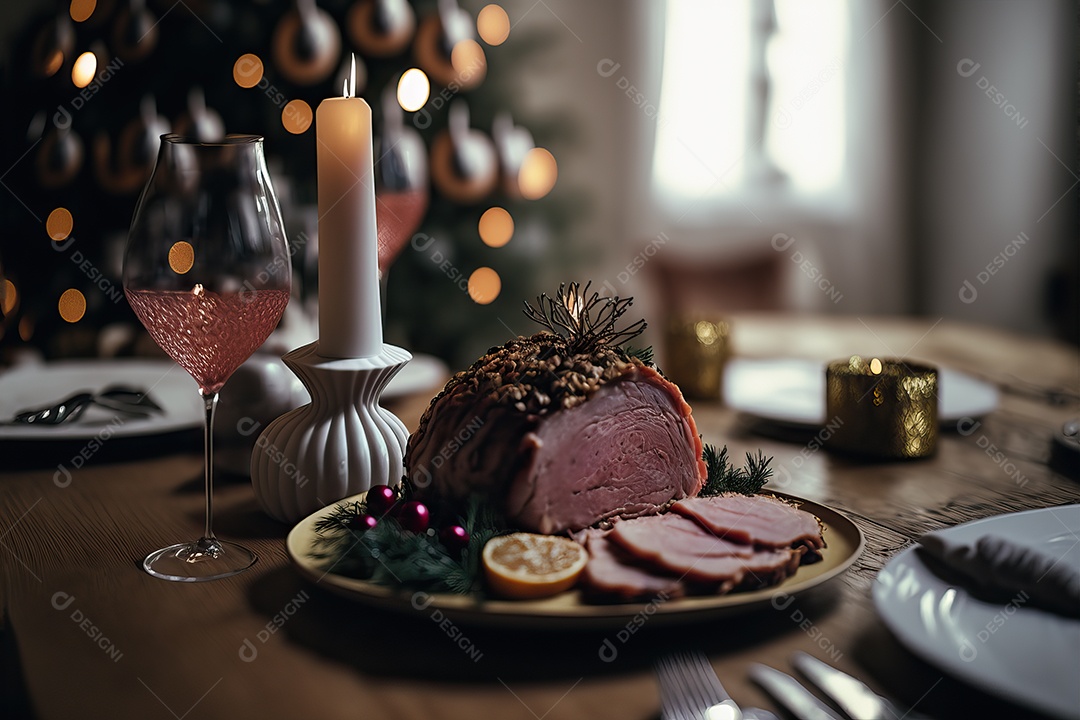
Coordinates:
884 408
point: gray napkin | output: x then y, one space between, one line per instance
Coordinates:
999 566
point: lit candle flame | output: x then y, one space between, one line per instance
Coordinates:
349 85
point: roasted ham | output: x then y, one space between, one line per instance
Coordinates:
557 442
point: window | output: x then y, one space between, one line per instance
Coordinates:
709 143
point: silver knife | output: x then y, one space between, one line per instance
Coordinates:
851 694
787 691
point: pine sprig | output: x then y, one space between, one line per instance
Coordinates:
584 321
387 554
725 478
644 354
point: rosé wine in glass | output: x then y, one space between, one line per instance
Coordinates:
207 271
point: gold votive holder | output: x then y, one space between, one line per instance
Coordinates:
882 408
697 350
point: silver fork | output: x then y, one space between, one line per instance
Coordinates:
690 690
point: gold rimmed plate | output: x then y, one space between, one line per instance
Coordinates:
568 611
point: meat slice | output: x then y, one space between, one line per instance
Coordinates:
765 522
674 544
671 533
628 451
611 575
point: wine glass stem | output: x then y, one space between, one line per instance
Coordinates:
210 404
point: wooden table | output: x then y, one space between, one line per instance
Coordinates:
85 633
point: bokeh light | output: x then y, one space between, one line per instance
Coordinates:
247 70
9 298
496 227
413 90
469 62
493 25
81 10
59 224
875 366
53 63
538 174
26 328
84 69
296 116
484 285
72 305
181 257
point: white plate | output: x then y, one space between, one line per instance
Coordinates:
424 372
37 385
792 391
1023 654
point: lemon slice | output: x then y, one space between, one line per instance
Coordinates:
524 565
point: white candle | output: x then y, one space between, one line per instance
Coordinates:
350 319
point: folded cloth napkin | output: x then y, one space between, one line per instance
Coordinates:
1001 566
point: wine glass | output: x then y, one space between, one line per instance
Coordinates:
207 271
401 182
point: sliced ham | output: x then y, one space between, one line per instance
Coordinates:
765 522
610 575
677 545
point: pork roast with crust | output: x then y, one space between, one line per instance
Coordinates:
557 439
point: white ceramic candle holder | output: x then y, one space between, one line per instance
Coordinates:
339 444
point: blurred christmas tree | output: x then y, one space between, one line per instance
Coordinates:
92 87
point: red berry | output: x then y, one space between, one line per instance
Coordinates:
362 523
413 516
380 499
455 538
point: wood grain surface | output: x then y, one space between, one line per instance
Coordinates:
85 633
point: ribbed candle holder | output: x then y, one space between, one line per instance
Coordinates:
340 444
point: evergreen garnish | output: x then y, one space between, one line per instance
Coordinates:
725 478
645 354
387 554
584 321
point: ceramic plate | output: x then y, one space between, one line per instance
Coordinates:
422 373
567 611
1026 655
792 391
38 385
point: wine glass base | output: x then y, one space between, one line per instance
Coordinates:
204 559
